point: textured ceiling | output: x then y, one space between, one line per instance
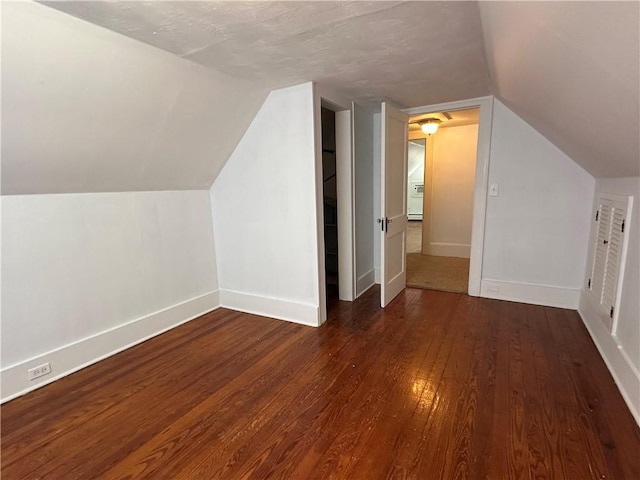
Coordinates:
86 109
413 53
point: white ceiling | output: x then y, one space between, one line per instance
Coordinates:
111 114
413 53
85 109
571 70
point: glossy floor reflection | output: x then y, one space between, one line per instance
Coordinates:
436 386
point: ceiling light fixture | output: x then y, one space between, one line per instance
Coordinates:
430 125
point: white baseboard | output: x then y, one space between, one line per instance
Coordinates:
449 250
365 282
624 373
378 275
547 295
82 353
297 312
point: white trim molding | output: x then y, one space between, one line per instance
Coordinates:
482 176
624 373
87 351
345 179
280 308
365 282
547 295
319 213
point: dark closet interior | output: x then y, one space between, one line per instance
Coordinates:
330 193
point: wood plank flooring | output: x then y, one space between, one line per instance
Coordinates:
436 386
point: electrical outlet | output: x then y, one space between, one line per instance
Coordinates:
39 371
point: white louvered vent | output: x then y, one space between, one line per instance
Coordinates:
609 248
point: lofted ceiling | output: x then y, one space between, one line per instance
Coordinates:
413 53
85 109
554 63
571 70
113 114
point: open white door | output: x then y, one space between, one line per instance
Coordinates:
393 221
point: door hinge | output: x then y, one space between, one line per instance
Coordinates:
611 313
622 227
589 284
597 214
382 224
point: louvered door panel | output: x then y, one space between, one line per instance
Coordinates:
613 257
600 249
607 253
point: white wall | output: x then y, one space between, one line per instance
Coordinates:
537 230
620 350
364 198
453 183
85 109
85 275
264 213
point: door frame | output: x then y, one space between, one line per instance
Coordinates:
481 179
324 97
427 182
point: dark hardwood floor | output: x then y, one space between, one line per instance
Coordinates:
436 386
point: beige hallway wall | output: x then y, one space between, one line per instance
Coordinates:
453 176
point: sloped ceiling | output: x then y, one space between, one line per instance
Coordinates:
413 53
85 109
571 70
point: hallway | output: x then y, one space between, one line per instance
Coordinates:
447 274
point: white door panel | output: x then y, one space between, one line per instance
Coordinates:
394 203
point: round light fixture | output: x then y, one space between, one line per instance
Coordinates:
430 125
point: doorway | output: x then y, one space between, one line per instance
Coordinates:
416 160
330 204
333 162
367 194
440 195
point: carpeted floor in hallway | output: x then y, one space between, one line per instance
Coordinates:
448 274
414 236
